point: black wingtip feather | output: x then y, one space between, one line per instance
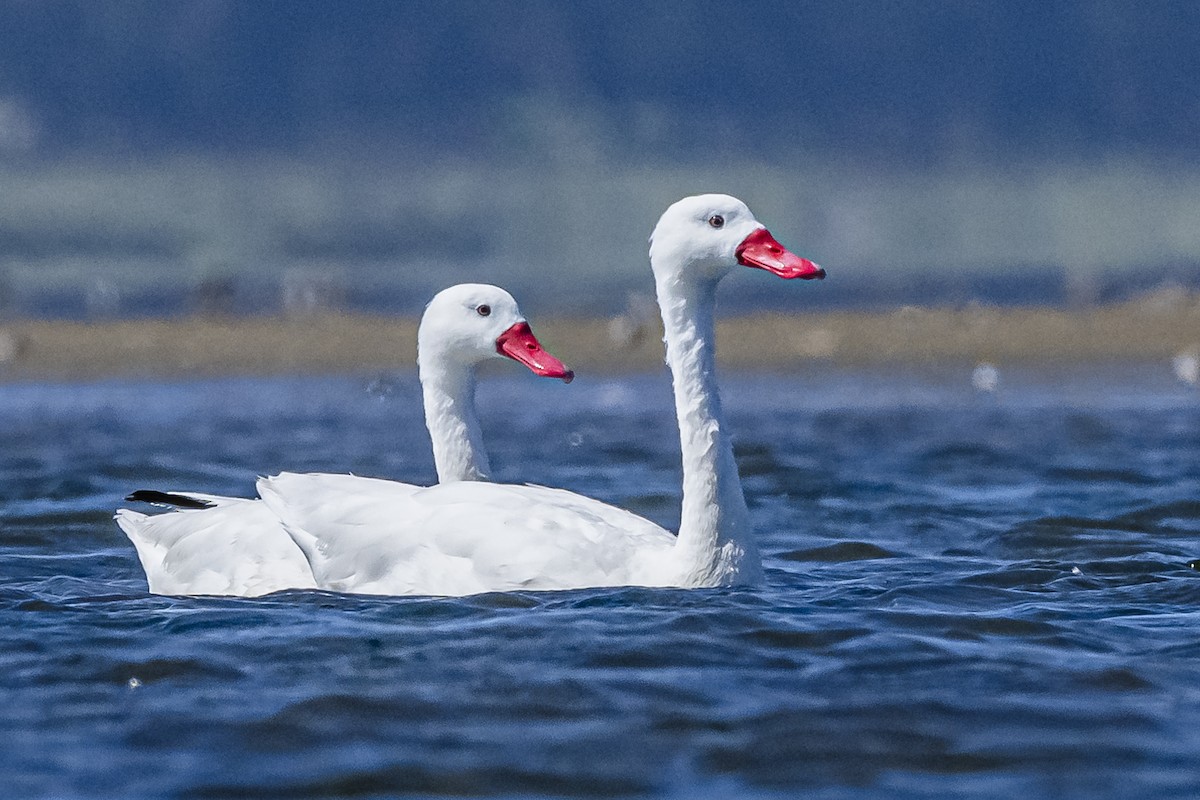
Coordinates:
167 499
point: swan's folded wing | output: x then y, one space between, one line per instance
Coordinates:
461 538
346 511
236 547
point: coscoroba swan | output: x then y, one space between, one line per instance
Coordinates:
464 538
237 546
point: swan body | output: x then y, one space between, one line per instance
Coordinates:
389 538
469 537
216 545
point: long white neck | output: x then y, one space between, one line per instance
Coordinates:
449 395
715 545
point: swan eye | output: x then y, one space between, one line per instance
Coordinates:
716 220
483 310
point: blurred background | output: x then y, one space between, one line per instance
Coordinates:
165 157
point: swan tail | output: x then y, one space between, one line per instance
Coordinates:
152 555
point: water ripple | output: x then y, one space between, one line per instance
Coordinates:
964 598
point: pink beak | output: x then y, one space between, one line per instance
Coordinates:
760 250
519 344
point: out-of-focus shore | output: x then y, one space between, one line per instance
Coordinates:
1150 329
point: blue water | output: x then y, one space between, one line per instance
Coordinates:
967 596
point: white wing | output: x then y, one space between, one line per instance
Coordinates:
236 547
464 537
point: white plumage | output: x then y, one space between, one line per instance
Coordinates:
239 546
464 538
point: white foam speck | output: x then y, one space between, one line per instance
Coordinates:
985 377
1187 367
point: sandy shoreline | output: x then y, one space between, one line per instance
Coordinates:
1148 330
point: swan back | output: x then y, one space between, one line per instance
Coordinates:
465 537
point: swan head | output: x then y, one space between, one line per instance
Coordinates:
703 237
471 323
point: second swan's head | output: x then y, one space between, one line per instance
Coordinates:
704 236
473 322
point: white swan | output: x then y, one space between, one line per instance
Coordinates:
236 546
465 538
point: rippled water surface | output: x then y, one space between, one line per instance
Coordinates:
967 596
